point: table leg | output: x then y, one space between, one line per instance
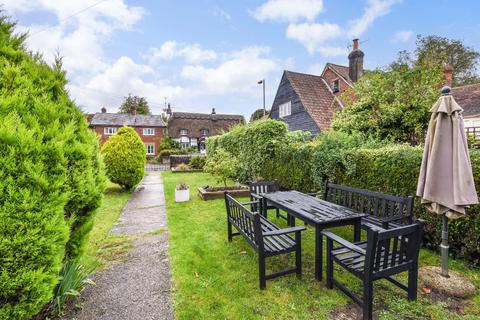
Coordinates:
357 231
318 253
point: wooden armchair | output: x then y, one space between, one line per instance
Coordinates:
384 254
259 187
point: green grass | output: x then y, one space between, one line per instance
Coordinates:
99 243
215 279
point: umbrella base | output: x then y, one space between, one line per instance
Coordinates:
455 285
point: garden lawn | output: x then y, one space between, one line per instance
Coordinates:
105 217
215 279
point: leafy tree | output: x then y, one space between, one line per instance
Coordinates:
258 114
124 156
51 177
439 50
222 164
168 144
130 102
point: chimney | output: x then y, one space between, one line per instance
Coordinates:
169 110
213 111
447 75
355 65
104 110
133 109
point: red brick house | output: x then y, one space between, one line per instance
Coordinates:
307 102
150 128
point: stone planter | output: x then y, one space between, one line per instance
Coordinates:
218 192
182 195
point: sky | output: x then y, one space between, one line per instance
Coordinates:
205 54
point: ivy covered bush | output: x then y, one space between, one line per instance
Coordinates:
124 156
304 164
51 177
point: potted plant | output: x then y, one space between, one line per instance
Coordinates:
182 192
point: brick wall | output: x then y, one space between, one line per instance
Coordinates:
331 76
155 139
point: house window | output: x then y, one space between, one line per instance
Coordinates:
183 132
204 132
285 109
110 131
335 86
150 148
148 131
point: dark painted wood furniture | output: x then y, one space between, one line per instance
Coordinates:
260 187
383 210
267 239
318 213
384 254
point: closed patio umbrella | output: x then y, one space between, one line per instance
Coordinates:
446 184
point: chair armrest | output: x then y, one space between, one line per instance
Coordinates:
283 231
256 196
249 202
372 226
343 242
394 218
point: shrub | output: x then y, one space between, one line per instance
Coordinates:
51 179
168 144
167 153
222 165
182 167
124 156
197 162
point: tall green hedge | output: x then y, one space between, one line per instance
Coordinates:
51 177
124 156
349 159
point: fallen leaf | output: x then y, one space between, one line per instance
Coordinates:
426 290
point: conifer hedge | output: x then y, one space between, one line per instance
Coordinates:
51 177
266 151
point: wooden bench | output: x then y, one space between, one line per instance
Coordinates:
384 210
266 238
384 254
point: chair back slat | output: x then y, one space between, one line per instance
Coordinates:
259 187
373 203
246 222
393 247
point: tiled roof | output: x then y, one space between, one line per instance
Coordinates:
127 119
343 71
468 97
206 116
315 96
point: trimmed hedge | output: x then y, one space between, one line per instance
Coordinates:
51 177
354 160
124 156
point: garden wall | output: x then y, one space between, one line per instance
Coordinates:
300 164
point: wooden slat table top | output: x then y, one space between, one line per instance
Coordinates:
309 208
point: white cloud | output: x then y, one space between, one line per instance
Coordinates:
238 73
192 53
288 10
373 10
314 35
403 36
222 14
120 78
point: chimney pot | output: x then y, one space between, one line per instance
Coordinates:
355 44
104 110
213 111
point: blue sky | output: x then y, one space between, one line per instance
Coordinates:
205 53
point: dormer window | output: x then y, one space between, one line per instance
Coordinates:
183 132
336 86
204 132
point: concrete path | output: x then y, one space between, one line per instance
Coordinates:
140 287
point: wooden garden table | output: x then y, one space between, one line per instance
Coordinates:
316 212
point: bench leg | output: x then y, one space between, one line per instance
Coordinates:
412 283
261 271
367 299
357 231
329 264
278 212
229 231
298 254
318 253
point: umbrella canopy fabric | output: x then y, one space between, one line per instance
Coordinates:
446 182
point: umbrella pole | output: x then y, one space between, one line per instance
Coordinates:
444 245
